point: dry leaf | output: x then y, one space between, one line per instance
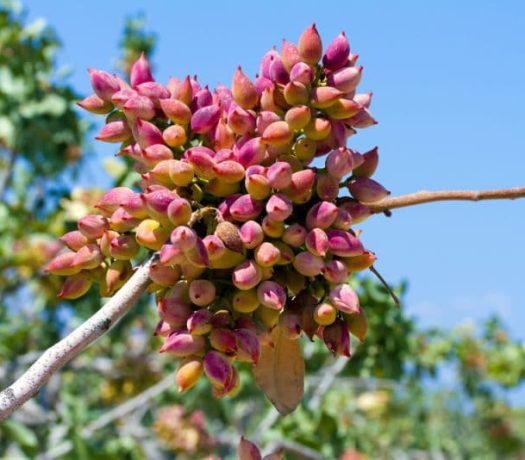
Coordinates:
280 372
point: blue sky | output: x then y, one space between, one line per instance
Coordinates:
449 91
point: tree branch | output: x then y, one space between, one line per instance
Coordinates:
59 354
446 195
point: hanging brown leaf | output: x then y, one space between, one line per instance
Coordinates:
280 372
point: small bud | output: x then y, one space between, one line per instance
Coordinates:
223 340
317 242
325 314
337 53
302 73
245 301
321 215
243 90
104 84
179 211
246 275
294 235
307 264
344 298
251 234
182 344
205 119
218 369
75 286
140 71
151 234
367 190
310 46
199 323
279 208
114 131
95 104
188 373
271 295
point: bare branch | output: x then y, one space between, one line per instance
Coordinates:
446 195
59 354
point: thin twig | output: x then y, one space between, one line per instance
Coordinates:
59 354
446 195
385 284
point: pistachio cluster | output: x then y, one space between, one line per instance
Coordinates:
249 233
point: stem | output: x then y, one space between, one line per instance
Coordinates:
59 354
446 195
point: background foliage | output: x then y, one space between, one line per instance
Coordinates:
406 393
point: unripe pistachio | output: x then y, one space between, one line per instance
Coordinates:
327 187
358 211
252 152
337 53
198 257
344 298
258 186
317 242
343 221
181 173
157 202
182 344
360 262
267 255
75 286
174 136
183 91
229 171
317 129
112 199
289 55
340 162
279 175
279 207
74 240
278 133
245 208
95 104
140 71
363 99
243 90
114 131
302 183
310 46
180 292
268 101
151 234
321 215
229 259
304 149
294 235
88 257
205 119
248 347
346 79
199 323
188 373
218 369
116 275
176 111
245 301
367 190
325 314
179 211
251 234
146 133
324 96
302 73
121 221
342 109
155 154
295 282
104 84
124 247
369 165
171 255
201 98
287 254
278 72
290 323
344 244
202 162
298 117
223 340
296 93
240 121
139 107
307 264
337 338
268 316
272 228
246 275
122 96
202 292
335 272
105 241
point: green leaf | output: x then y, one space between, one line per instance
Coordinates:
20 434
